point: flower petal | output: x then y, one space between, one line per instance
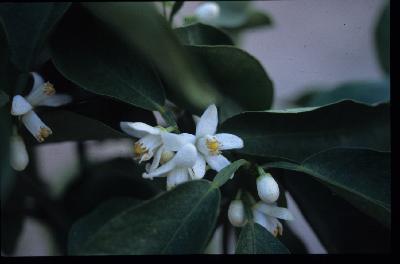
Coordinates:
20 106
40 91
186 157
260 219
37 81
56 100
174 142
19 158
217 162
274 211
199 168
208 122
275 226
229 141
138 129
156 159
176 177
36 126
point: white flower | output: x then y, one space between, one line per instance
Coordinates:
267 188
42 94
207 12
236 214
19 158
210 144
267 216
178 169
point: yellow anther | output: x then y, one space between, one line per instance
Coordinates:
139 150
166 156
44 132
213 146
48 89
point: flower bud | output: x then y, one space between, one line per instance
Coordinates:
267 188
236 213
207 12
19 158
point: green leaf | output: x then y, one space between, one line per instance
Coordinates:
225 174
255 19
175 8
4 98
248 85
177 222
153 37
69 126
339 226
295 134
358 175
201 34
6 174
367 92
254 239
382 38
28 26
3 57
96 60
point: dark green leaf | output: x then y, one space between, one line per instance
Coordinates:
255 19
368 92
200 34
358 175
4 98
175 8
295 134
248 85
6 174
382 38
254 239
339 226
225 174
177 222
140 25
68 126
3 57
28 26
96 60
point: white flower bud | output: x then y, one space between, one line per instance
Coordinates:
267 188
19 158
207 12
236 214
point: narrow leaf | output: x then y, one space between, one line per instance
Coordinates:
227 173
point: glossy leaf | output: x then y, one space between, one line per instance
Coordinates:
225 174
340 227
382 38
295 134
165 51
255 239
28 26
201 34
368 92
69 126
96 60
177 222
248 85
358 175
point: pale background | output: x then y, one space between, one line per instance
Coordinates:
312 42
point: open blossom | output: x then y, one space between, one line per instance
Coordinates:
267 215
42 94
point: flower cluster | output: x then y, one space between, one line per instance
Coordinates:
182 157
265 212
41 94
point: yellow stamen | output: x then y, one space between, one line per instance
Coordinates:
213 146
48 89
44 132
139 150
166 156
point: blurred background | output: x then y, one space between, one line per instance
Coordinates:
312 43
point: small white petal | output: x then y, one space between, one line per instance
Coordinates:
208 122
186 157
36 126
40 93
199 168
260 219
229 141
20 106
156 160
267 188
138 129
236 214
217 162
19 158
174 142
37 81
275 211
176 177
56 100
144 148
207 12
196 119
